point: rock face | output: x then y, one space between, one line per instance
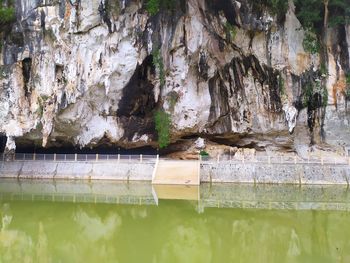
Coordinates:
86 73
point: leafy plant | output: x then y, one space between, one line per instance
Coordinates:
278 7
324 96
281 85
154 6
347 90
7 13
162 122
158 64
203 153
231 30
310 42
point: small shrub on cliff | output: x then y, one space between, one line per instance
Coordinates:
347 90
278 7
154 6
231 31
203 153
311 43
7 12
162 121
158 64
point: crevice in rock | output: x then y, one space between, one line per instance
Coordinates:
103 9
3 139
137 105
138 96
26 71
59 74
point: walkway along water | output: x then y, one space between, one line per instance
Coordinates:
259 169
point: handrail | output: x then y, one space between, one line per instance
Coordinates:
55 157
223 159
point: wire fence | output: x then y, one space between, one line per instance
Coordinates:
283 159
287 159
78 157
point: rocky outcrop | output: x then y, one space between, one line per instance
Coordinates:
94 72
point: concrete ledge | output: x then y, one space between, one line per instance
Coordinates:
38 170
10 169
112 170
74 170
226 172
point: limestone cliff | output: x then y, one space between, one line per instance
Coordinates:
78 72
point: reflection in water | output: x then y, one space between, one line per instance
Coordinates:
171 232
99 222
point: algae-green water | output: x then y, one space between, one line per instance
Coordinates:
173 231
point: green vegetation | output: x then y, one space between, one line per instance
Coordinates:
203 153
158 64
324 96
162 122
312 101
347 90
154 6
231 31
310 42
281 85
7 12
278 7
316 15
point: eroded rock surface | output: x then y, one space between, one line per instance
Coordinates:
84 73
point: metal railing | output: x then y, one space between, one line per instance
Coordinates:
79 157
266 159
322 160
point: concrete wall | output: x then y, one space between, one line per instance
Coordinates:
111 170
224 172
275 173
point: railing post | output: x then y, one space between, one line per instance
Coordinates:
24 157
140 158
54 157
118 158
65 157
44 157
218 158
34 156
97 157
76 157
157 157
295 159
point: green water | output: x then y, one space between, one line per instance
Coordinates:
174 231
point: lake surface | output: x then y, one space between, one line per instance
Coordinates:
45 228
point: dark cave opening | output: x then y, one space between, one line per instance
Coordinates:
26 70
138 96
228 7
3 140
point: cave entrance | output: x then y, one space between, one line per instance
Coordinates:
138 95
3 140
